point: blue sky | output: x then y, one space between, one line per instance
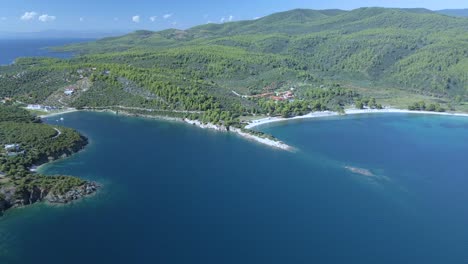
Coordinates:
37 15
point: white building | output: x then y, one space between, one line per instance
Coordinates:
34 107
69 92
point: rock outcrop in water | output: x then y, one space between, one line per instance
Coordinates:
74 194
12 196
361 171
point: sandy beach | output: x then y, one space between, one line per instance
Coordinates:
61 112
353 111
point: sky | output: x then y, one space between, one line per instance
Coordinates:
125 15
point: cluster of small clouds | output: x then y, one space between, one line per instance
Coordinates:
27 16
228 19
137 18
46 18
32 15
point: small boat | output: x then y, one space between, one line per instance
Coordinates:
61 119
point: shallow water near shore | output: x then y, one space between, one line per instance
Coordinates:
174 193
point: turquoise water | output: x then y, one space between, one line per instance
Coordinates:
178 194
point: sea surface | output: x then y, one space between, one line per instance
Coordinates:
174 193
12 49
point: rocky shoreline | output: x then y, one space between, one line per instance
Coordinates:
270 142
76 193
243 133
221 128
9 197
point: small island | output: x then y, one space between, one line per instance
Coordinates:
27 143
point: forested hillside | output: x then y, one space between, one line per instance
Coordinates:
263 66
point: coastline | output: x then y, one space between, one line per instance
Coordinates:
269 142
66 111
352 111
258 122
221 128
9 198
265 141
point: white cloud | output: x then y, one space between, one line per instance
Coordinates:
174 23
81 19
231 17
3 18
222 20
116 19
29 15
46 18
166 16
255 18
136 19
153 18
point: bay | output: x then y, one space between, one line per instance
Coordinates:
173 193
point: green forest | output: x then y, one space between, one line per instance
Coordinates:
327 59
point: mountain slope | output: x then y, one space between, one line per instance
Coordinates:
223 67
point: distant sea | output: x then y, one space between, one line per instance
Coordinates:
12 49
174 193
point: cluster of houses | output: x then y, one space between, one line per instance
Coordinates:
277 96
13 150
288 95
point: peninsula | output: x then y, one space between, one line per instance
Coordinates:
27 143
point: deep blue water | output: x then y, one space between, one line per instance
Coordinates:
178 194
10 50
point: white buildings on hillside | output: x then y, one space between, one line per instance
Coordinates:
41 107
